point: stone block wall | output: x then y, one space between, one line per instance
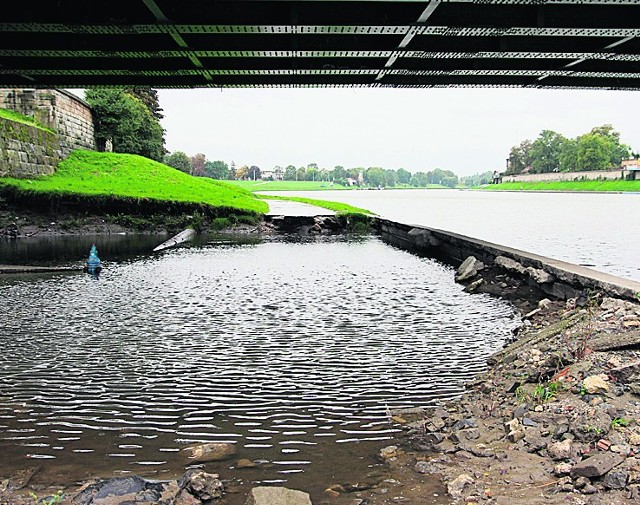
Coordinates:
60 110
27 151
566 176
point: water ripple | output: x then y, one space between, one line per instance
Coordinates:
277 347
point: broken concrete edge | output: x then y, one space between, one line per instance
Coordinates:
180 238
564 280
26 269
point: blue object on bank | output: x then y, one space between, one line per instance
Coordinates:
93 263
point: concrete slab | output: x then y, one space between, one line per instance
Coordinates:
296 209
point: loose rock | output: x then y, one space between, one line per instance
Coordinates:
277 496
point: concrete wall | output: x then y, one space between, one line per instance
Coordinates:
566 176
555 278
60 110
27 151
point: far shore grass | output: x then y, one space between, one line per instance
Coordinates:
95 176
568 186
337 207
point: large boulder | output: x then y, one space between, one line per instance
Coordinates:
202 485
214 451
597 466
277 496
128 490
469 269
510 265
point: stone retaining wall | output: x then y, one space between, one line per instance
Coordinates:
557 279
27 151
567 176
70 116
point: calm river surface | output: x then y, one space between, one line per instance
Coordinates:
595 230
291 350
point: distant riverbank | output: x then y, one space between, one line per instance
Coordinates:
603 186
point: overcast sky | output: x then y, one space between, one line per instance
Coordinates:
463 130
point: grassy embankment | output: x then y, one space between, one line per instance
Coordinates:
135 191
20 118
353 218
569 186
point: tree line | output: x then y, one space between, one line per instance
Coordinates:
377 177
599 149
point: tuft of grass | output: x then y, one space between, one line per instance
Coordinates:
95 176
12 115
337 207
615 186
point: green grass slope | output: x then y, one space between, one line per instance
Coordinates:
91 175
21 118
616 186
339 208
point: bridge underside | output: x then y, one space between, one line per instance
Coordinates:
204 43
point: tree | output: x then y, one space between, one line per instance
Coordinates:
178 160
216 169
546 151
403 176
301 174
232 171
126 122
253 173
241 173
519 157
312 173
290 173
374 176
420 180
197 164
593 152
390 178
477 179
569 156
149 97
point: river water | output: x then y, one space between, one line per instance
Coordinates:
595 230
292 350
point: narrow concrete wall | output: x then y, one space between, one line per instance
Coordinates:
27 151
68 115
557 279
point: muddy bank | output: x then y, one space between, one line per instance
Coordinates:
556 419
21 222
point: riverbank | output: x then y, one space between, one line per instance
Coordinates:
594 186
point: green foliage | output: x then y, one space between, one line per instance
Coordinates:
541 393
21 118
179 161
476 180
593 185
545 151
620 422
116 176
216 169
127 122
600 149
